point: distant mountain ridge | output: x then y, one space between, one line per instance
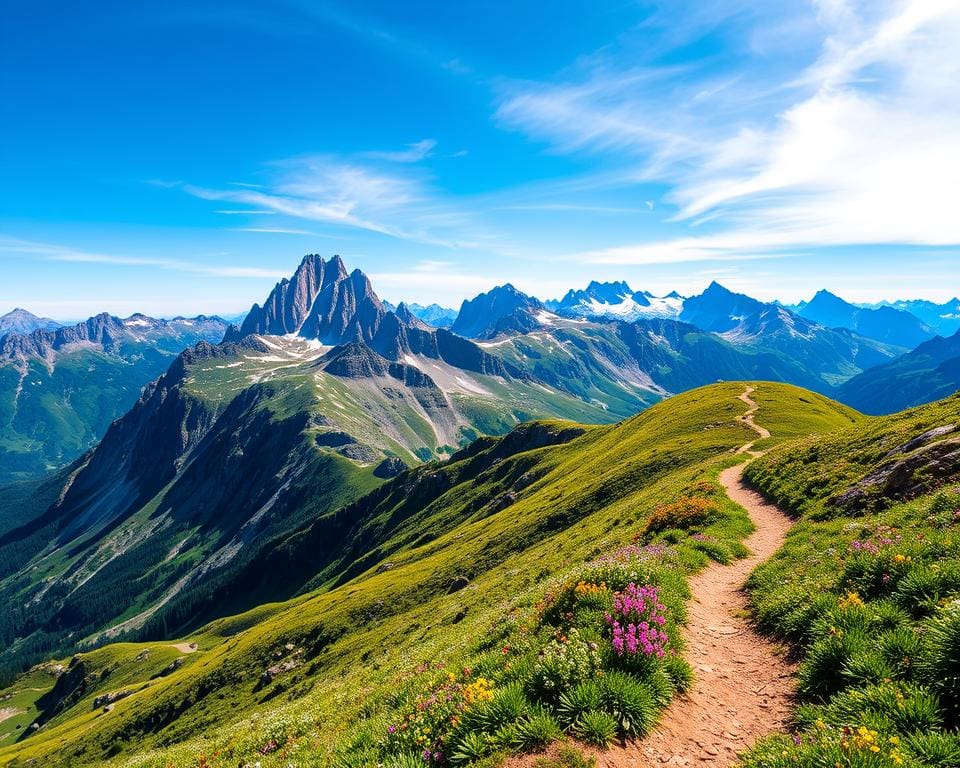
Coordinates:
942 318
927 373
60 388
437 316
616 300
110 333
503 309
21 321
886 324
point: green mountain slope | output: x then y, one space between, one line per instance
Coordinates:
60 389
867 588
929 372
437 565
235 445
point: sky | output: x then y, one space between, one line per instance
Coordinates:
180 157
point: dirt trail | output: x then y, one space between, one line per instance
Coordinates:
744 685
747 419
743 688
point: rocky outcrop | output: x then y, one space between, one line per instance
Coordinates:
917 467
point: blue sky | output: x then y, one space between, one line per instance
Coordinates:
179 157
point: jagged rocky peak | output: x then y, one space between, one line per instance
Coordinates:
321 301
406 316
499 310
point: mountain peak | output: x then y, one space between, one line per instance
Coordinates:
22 321
716 289
500 309
321 301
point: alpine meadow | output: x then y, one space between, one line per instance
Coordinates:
480 385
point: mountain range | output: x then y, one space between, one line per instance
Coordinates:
319 395
61 387
887 324
817 344
333 484
944 318
929 372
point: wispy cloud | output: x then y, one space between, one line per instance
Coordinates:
861 146
279 231
378 192
414 153
53 252
246 212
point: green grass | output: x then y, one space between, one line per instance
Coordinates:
366 639
866 589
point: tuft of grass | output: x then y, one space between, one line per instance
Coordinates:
596 727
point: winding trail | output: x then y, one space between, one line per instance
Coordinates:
744 684
743 688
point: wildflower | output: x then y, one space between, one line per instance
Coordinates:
638 614
850 600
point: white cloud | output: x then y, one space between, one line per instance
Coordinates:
414 153
862 147
358 194
52 252
278 231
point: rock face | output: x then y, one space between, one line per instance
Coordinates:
321 301
325 303
916 467
720 310
501 310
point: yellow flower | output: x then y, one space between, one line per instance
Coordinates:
898 558
850 600
478 691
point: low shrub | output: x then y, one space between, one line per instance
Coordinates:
629 701
596 727
564 662
821 674
939 662
580 699
685 513
536 731
938 750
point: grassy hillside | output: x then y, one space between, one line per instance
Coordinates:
469 578
236 446
867 590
